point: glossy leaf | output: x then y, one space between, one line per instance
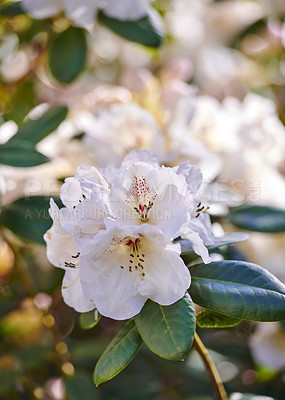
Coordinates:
80 386
12 10
238 289
34 131
28 217
146 30
118 354
67 54
21 156
212 319
89 319
168 330
227 239
259 219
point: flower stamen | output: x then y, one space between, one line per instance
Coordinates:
200 210
143 211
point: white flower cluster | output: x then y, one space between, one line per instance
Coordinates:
114 237
83 12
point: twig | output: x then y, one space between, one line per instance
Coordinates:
217 383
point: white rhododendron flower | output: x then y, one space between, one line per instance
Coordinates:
118 130
114 237
125 266
83 12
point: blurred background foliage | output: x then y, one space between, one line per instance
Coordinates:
51 72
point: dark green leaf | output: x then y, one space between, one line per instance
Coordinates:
146 30
229 238
67 54
34 131
238 289
168 330
259 219
21 156
12 10
212 319
80 386
118 354
89 319
28 217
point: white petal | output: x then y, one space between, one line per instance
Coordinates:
72 292
143 184
81 12
113 289
140 155
202 225
198 245
61 247
169 212
192 174
120 283
126 9
40 9
70 192
166 276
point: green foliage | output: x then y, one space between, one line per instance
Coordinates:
118 354
80 386
67 54
20 151
89 319
212 319
33 131
20 156
146 30
259 219
12 10
168 330
238 289
28 218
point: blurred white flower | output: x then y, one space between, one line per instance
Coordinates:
267 345
83 12
118 130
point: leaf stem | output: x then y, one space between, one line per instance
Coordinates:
217 383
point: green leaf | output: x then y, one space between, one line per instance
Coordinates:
227 239
28 217
212 319
259 219
168 330
89 319
67 54
34 131
238 289
118 354
147 30
12 10
80 386
21 156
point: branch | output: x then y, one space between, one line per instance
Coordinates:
217 383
